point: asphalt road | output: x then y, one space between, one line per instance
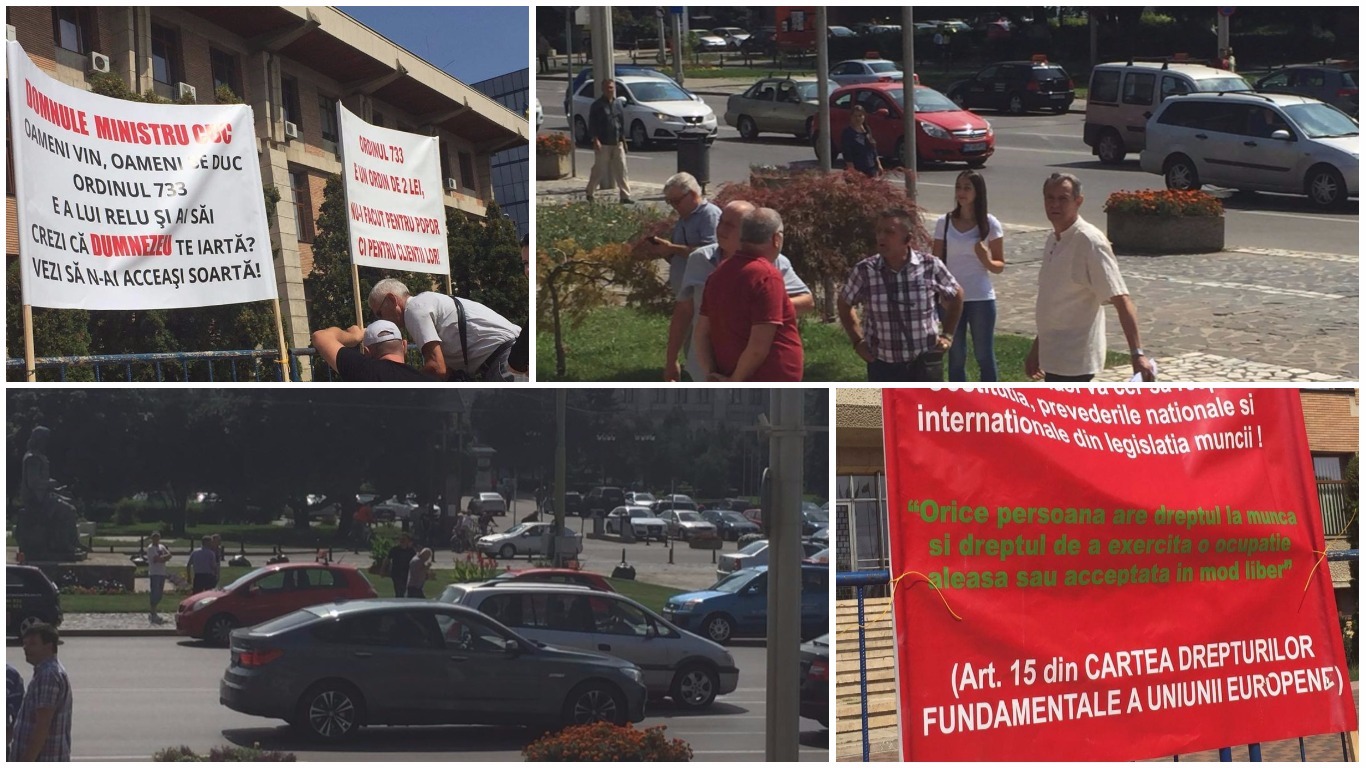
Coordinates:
1028 148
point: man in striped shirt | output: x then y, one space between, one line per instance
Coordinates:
42 730
899 336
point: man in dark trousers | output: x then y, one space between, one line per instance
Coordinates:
609 154
399 556
374 354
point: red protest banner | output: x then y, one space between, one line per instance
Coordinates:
1107 574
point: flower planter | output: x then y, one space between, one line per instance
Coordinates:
550 166
1145 235
711 543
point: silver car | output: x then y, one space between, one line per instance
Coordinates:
528 540
644 524
1266 142
689 669
750 555
855 71
685 524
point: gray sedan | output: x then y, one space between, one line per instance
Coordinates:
855 71
776 105
330 669
685 524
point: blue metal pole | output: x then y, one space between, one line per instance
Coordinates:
1254 753
1226 754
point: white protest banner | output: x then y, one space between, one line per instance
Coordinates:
125 205
395 206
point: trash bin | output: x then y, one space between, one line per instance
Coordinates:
694 155
597 525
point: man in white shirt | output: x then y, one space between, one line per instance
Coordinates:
1079 276
478 352
157 557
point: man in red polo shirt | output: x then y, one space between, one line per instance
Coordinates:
748 328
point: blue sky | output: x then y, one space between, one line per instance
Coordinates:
470 43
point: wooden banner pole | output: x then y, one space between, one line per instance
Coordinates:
30 368
355 290
280 337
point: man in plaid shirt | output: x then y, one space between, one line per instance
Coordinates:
900 336
42 731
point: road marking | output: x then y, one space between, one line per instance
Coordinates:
1267 289
1342 258
1302 216
1051 151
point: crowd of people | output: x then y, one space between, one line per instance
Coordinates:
737 297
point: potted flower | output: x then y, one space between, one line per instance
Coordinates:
552 156
1155 222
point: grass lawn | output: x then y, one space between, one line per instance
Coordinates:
626 344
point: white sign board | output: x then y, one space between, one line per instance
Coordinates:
394 202
125 205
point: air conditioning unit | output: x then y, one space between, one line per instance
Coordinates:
11 33
98 63
185 89
291 131
452 184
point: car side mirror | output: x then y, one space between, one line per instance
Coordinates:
512 647
1281 134
651 631
623 101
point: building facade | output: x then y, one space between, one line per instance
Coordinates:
292 66
511 168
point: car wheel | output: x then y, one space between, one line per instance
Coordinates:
639 139
1180 174
1325 187
592 702
1110 147
330 711
694 686
507 551
218 630
719 628
1016 104
581 132
747 128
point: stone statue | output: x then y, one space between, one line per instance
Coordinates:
46 526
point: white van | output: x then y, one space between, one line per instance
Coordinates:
1123 96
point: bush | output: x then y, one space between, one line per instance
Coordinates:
226 754
553 144
604 742
1164 202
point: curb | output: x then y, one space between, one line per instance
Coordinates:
118 633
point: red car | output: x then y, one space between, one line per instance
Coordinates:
267 593
557 576
944 131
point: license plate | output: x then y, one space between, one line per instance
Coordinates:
1059 96
976 146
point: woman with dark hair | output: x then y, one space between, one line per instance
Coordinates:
858 145
971 243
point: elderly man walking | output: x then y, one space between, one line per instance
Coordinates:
460 339
609 154
701 264
1079 276
748 327
899 336
696 227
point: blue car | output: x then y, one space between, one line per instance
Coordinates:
737 605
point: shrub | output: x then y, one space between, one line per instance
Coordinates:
553 144
225 754
605 742
1164 202
475 567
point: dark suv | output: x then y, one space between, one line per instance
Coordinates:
1015 87
30 597
1332 83
604 499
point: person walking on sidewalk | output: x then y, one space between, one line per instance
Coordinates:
157 557
42 729
1079 276
609 153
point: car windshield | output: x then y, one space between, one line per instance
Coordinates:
516 529
1217 84
926 100
837 31
242 580
811 91
754 547
637 512
735 517
1320 121
733 583
688 517
881 66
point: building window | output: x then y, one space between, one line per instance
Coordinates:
165 55
862 541
289 101
224 66
467 171
328 108
1333 501
72 29
303 206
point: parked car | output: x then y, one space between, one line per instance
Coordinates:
835 30
618 70
755 554
573 504
553 576
678 664
489 502
664 505
686 524
815 677
603 499
267 593
1122 96
639 498
944 131
539 113
737 605
644 524
30 598
1332 83
857 71
528 540
331 669
1256 141
813 519
761 42
734 36
393 508
1015 87
821 557
730 525
705 42
776 105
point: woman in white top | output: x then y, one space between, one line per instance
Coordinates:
971 243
